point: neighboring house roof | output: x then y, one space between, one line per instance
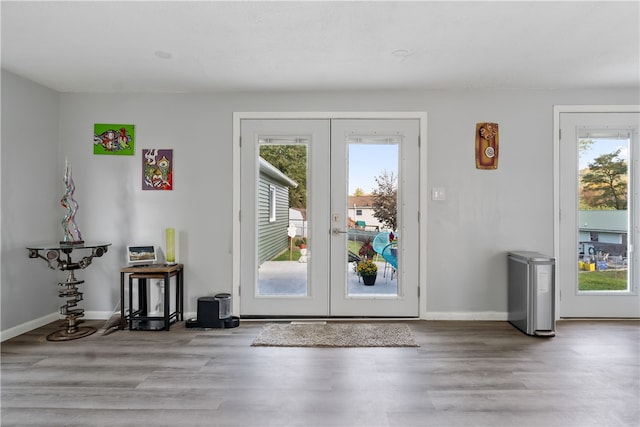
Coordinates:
361 201
269 170
611 221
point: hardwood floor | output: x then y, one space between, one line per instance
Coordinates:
463 374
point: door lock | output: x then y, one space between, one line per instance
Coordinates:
338 231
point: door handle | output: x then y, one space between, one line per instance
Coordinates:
337 231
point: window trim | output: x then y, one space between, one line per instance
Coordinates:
272 203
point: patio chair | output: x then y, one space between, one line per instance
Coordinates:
388 250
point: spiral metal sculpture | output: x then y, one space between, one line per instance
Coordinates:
71 231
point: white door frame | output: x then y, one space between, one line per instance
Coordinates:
557 110
421 116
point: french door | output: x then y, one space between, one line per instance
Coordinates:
315 195
599 221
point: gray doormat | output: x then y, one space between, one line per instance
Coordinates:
327 334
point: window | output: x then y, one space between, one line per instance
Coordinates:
593 236
358 212
272 203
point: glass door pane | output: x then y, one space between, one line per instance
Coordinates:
603 223
372 215
282 217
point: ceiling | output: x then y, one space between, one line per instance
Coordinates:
213 46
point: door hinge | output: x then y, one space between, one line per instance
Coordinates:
418 291
240 141
559 134
239 290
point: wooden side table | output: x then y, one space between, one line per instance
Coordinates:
140 314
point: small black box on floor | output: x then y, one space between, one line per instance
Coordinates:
215 312
209 313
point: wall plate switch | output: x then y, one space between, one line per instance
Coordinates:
438 193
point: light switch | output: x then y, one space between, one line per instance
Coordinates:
438 193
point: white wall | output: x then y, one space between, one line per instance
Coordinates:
486 214
31 193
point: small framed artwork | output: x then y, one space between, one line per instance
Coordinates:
487 142
113 139
157 169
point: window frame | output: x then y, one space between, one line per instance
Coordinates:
272 203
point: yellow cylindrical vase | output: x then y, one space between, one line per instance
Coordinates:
171 245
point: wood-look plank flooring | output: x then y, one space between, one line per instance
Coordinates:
463 374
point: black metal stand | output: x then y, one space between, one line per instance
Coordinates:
59 257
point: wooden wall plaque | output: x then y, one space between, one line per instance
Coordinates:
487 142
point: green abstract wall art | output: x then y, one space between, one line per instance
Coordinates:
113 139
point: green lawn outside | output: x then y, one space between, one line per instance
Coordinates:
608 280
284 256
354 246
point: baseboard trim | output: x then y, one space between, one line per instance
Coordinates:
45 320
106 315
28 326
468 315
99 315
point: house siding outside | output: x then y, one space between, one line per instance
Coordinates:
272 234
610 227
